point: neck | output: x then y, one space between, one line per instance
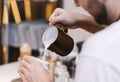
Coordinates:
113 10
114 17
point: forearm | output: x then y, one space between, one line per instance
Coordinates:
93 28
90 25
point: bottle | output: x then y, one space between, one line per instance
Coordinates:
50 7
25 49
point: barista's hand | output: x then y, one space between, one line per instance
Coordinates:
31 70
64 19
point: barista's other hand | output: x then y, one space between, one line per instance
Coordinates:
66 18
31 70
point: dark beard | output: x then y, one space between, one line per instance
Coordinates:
118 18
101 18
99 12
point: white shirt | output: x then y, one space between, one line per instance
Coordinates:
99 60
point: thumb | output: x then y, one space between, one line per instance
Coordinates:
56 19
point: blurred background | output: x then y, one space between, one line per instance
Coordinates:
24 22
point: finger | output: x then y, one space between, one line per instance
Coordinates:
55 16
56 12
57 19
33 62
21 73
66 30
62 27
22 77
22 70
73 27
25 64
24 80
24 73
50 22
29 59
